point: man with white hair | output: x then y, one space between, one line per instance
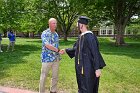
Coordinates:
50 56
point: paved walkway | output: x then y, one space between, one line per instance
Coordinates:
13 90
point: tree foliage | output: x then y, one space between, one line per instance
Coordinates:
119 12
33 15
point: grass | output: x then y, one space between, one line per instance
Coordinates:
21 68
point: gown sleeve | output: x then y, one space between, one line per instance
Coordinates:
93 46
71 51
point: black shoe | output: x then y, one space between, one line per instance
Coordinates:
52 92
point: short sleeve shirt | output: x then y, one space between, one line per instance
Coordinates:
52 38
11 36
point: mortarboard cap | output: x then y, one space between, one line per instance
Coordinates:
83 20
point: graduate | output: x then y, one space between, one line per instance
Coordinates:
88 60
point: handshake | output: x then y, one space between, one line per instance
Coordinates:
62 51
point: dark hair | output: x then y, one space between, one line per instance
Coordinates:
11 31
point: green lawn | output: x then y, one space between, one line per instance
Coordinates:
21 68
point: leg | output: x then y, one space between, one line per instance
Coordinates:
78 77
44 71
96 84
90 84
55 69
9 46
0 47
13 44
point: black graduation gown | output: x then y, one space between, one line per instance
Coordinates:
90 60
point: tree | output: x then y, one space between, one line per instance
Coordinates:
11 11
66 12
119 12
134 26
30 20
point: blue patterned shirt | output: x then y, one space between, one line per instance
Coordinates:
49 37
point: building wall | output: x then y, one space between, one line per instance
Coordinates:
106 30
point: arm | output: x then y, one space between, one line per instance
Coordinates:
98 62
71 51
47 44
9 35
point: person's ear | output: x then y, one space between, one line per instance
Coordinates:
81 26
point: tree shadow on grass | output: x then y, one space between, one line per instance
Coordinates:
61 42
67 43
35 41
10 59
107 46
132 49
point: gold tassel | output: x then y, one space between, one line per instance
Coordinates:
78 61
82 70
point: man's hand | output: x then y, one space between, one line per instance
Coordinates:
62 51
98 73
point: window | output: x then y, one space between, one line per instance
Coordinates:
109 32
103 32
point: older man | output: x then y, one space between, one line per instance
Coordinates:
50 56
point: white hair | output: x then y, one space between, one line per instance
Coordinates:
51 19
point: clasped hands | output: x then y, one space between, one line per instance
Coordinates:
62 51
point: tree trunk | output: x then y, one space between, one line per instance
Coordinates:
120 34
33 34
120 40
65 33
65 37
5 33
26 34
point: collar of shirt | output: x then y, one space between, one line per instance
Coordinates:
51 31
86 32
